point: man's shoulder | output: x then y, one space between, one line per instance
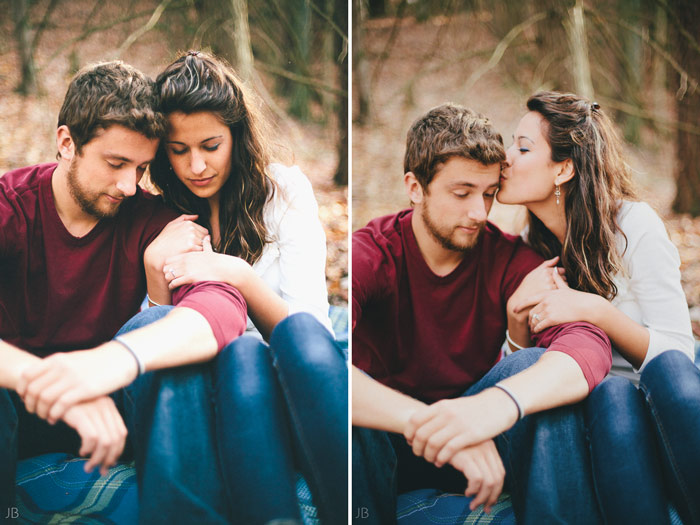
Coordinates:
502 244
26 180
145 211
384 229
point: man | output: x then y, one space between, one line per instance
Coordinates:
431 289
72 241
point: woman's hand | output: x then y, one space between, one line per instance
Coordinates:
206 265
563 305
535 283
179 236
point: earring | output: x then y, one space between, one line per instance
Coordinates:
557 192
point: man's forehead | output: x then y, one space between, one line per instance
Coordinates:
459 171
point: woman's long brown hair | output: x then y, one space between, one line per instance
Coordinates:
200 82
579 130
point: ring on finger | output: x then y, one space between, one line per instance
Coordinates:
536 317
172 272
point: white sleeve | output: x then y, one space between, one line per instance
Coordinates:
302 245
653 264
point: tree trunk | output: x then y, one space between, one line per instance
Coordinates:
578 46
360 67
241 39
20 14
342 51
688 104
631 76
300 96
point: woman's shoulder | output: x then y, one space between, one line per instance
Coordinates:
289 179
637 214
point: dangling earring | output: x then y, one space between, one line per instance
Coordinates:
557 192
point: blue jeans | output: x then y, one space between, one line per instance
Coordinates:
280 406
671 387
624 455
170 418
545 456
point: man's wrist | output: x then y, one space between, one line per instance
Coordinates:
121 360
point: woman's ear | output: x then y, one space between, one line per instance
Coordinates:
64 143
413 188
566 172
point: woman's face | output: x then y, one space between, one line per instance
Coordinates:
199 149
529 173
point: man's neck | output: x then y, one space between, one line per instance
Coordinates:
76 221
439 259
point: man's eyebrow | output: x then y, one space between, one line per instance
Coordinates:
116 156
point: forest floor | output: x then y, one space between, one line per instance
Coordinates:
428 63
27 124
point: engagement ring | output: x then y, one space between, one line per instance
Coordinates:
536 317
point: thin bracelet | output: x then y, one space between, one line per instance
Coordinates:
504 388
139 362
151 301
513 343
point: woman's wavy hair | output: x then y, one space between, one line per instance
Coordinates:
579 130
196 82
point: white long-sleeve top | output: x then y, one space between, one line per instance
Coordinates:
293 264
649 289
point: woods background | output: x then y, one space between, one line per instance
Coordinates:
639 59
294 53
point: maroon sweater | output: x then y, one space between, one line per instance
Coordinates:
432 337
60 293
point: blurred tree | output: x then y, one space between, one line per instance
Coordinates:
341 53
360 66
299 12
686 30
27 43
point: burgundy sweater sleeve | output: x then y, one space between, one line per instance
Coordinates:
585 343
221 305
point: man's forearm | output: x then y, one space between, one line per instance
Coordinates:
380 407
182 337
554 380
13 361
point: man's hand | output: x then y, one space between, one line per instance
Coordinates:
53 385
437 432
101 429
483 468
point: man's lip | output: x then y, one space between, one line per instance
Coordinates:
470 228
113 198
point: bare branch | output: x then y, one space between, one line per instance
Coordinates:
328 19
133 37
42 25
501 49
639 112
300 79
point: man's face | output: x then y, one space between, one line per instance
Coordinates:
457 202
108 170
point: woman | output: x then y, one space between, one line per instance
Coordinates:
282 404
622 274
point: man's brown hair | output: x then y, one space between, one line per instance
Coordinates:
449 131
109 93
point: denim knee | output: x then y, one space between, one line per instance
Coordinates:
145 317
617 405
671 376
518 361
305 341
244 365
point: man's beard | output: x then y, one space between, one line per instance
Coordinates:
445 235
86 199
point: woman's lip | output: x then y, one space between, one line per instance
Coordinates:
202 182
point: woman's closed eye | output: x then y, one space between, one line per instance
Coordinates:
213 147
